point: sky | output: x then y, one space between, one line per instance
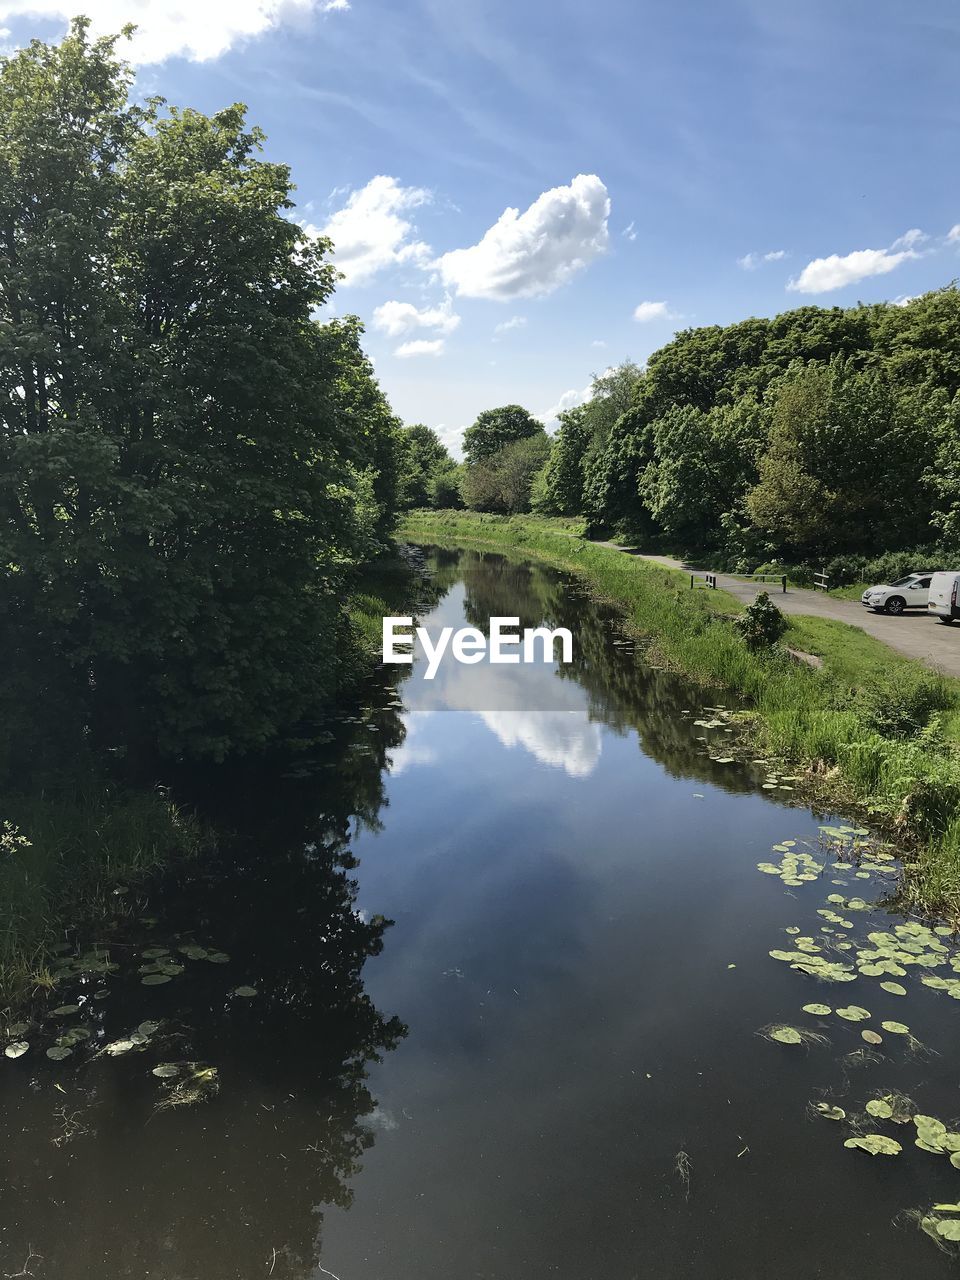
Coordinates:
525 192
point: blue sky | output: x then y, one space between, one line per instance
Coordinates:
649 148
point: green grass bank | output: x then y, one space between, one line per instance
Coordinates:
874 731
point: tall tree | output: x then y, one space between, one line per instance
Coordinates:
495 428
189 463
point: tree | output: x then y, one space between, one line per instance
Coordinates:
502 481
845 448
495 428
424 454
189 463
564 476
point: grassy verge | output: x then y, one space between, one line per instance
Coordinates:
63 858
874 730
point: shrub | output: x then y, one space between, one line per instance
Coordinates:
761 624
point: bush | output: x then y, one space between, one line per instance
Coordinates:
903 709
761 624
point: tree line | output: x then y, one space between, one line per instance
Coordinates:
819 434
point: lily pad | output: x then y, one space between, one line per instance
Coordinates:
166 1070
17 1049
896 1028
58 1052
819 1010
894 988
155 979
949 1229
831 1113
872 1037
246 992
879 1109
853 1013
876 1144
64 1009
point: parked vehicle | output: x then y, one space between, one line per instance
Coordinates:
944 597
910 592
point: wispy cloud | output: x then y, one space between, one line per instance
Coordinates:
420 347
525 255
750 261
515 322
630 233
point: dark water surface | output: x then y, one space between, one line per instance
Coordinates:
547 1066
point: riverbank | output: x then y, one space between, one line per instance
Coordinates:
872 730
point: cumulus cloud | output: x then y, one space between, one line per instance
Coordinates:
750 261
825 274
420 347
372 232
647 311
526 255
396 318
176 28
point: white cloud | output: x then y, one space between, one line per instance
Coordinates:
420 347
647 311
630 233
515 322
750 261
824 274
524 255
598 342
176 28
953 235
371 232
396 318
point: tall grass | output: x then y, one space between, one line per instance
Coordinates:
878 731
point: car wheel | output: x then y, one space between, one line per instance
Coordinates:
895 605
945 622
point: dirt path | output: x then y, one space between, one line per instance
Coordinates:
913 634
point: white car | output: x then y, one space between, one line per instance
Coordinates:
910 592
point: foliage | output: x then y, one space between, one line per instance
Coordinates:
495 428
190 464
564 476
423 458
502 481
761 624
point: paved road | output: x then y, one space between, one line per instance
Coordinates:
914 633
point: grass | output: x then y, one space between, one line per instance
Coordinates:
62 858
875 731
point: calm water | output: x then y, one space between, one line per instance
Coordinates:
499 1083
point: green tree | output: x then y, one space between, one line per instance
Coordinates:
846 461
495 428
564 475
424 454
502 482
189 463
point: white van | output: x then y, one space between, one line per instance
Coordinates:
943 600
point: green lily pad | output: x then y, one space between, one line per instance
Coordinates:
819 1010
875 1144
64 1009
879 1109
166 1070
949 1229
17 1049
872 1037
155 979
831 1113
894 988
853 1013
896 1028
58 1052
246 992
